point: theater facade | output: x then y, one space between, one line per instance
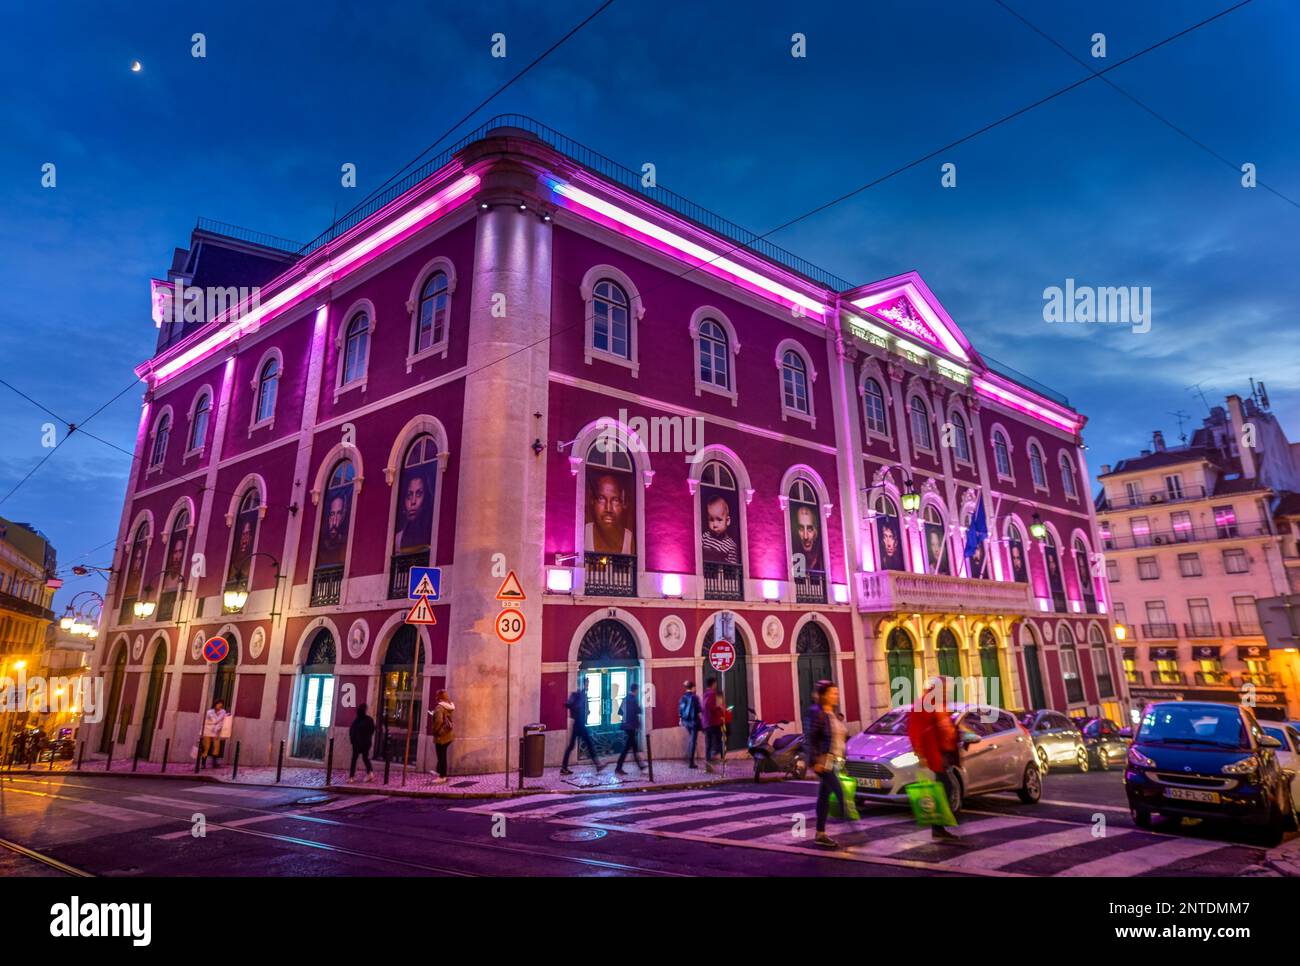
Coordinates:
523 363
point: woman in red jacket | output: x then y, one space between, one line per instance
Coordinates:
934 739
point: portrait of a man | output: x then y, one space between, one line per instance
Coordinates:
806 538
889 541
333 546
977 560
245 542
176 558
610 515
1019 571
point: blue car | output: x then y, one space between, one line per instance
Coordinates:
1198 759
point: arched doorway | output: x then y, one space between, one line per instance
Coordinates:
989 669
946 652
401 675
223 686
1033 672
152 700
316 701
814 661
608 661
900 665
117 678
735 688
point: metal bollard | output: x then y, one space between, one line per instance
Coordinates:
329 765
650 757
279 763
81 750
387 761
135 759
198 756
167 747
109 766
234 773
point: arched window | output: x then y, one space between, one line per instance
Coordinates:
900 660
721 539
794 382
1036 469
609 521
160 436
268 381
1001 454
199 424
946 652
1067 477
989 668
889 534
316 708
173 568
921 435
1069 664
610 332
134 570
356 349
936 546
1084 574
715 357
1019 565
873 398
808 559
413 519
244 540
431 324
335 526
1100 662
961 439
1055 579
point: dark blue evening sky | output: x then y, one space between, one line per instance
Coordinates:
1088 186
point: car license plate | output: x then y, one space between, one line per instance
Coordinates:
874 783
1190 795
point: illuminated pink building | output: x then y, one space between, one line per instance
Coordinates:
523 363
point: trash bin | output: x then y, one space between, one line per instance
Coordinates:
532 750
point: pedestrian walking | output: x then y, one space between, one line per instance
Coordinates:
934 740
825 735
712 717
213 726
361 732
442 732
577 705
630 713
688 714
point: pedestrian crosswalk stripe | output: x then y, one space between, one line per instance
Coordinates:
102 810
171 802
749 808
523 809
228 790
615 813
1132 862
1008 853
786 836
903 843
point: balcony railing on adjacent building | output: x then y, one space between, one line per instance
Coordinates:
901 590
326 585
1164 538
1188 491
1246 630
1135 677
1168 677
1214 679
724 581
13 602
1210 629
610 574
1159 631
399 579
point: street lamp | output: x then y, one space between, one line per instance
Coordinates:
1121 632
234 598
1038 529
143 609
911 498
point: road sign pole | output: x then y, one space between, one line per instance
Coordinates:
507 773
410 716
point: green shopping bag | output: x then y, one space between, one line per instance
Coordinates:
849 790
929 800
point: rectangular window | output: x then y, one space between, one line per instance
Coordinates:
1182 521
1189 564
1198 609
1121 614
1156 612
1174 487
1133 489
1107 540
1243 607
1225 521
1234 561
1141 529
1148 568
1112 571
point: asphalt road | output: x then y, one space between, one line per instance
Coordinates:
131 826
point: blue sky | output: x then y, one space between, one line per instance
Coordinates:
1086 187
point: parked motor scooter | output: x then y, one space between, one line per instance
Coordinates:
773 750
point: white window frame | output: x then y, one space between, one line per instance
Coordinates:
969 458
439 348
929 424
1031 445
1010 475
156 466
253 422
698 318
636 311
881 383
1069 480
341 345
810 377
192 451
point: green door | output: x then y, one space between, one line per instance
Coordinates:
946 652
149 723
900 664
1034 678
735 690
813 663
114 699
993 693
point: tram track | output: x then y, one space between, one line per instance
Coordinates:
498 847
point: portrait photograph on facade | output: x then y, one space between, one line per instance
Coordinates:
528 442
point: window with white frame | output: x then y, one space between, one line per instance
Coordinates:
921 434
356 349
1133 490
199 423
794 382
715 355
1148 568
611 331
1001 453
160 436
1067 477
1189 564
1036 469
873 401
268 383
433 310
1112 571
960 438
1174 487
1234 561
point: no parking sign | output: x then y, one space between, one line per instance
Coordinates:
215 650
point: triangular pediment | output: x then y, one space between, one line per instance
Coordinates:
906 305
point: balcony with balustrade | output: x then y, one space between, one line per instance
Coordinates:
610 574
893 591
724 581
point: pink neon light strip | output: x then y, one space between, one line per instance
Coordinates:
1024 405
707 259
369 248
878 299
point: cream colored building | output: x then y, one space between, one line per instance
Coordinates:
1193 537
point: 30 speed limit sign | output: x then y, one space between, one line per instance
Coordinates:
510 625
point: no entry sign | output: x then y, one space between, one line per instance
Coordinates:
215 650
722 655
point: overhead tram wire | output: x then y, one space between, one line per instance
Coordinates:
478 107
1150 110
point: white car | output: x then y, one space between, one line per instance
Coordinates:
997 755
1288 756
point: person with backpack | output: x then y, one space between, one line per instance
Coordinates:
360 733
825 735
630 712
712 717
688 713
442 732
577 705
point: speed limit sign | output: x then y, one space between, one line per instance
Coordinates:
510 625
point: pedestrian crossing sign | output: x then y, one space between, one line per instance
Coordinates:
421 613
424 582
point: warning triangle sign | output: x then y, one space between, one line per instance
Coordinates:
510 588
425 588
421 613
